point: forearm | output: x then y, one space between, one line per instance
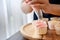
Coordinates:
55 9
26 8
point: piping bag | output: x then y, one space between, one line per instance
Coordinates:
39 14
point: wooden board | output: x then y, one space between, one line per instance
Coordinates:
27 31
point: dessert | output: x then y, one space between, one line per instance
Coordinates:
45 19
57 28
51 25
40 27
55 18
52 22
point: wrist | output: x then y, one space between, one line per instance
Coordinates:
50 7
47 8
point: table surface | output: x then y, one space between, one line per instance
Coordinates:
50 36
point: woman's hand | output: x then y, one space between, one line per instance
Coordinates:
28 5
26 8
40 4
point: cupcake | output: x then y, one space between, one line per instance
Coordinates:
51 25
57 28
45 19
55 18
40 26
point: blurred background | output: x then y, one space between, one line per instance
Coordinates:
11 18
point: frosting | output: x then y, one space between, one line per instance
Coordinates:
40 24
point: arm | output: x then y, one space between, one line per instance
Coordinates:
55 9
46 7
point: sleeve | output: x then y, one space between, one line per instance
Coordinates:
54 1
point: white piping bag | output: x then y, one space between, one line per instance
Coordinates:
39 14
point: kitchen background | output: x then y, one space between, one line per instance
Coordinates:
12 18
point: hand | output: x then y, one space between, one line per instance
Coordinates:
40 4
25 7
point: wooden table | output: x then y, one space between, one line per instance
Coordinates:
51 35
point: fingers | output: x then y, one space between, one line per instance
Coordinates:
36 2
27 1
35 6
31 1
38 6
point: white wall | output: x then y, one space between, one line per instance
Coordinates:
2 22
11 18
15 17
30 17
